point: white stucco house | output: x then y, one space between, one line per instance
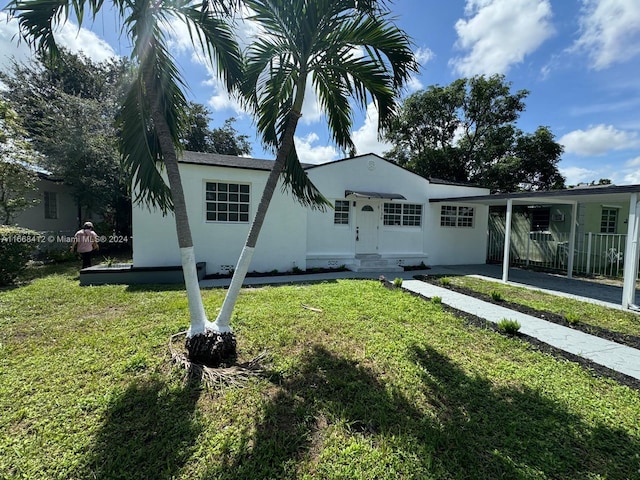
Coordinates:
383 218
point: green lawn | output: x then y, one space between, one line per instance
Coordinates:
587 313
378 385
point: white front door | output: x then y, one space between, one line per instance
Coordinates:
367 219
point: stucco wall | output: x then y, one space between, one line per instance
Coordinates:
436 245
366 173
294 236
281 244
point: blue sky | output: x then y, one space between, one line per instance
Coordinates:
580 60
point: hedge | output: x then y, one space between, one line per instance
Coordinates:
16 247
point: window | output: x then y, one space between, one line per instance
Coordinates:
341 212
392 213
405 214
227 202
451 216
540 219
411 215
609 220
50 205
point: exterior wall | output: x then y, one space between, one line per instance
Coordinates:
367 173
406 245
33 217
296 237
456 245
281 244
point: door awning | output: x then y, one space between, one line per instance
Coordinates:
360 194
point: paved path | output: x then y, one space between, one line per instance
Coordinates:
609 354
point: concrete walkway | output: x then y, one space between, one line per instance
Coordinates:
614 356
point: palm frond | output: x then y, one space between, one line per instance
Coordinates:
140 152
213 35
296 179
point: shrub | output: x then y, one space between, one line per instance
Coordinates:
572 318
436 300
496 296
445 281
397 282
508 326
16 246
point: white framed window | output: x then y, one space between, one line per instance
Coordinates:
227 202
403 214
341 212
460 217
392 213
50 205
609 220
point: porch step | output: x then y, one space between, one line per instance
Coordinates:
373 263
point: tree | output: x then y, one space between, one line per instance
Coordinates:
224 140
347 50
69 106
17 166
466 132
152 117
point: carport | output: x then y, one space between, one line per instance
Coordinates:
573 196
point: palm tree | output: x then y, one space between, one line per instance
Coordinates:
348 50
152 117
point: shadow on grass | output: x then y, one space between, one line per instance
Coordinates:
473 430
148 433
515 432
327 390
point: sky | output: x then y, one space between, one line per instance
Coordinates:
579 60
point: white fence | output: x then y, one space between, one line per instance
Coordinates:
599 254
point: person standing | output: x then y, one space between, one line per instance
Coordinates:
85 243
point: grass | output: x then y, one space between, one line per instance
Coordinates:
376 384
586 313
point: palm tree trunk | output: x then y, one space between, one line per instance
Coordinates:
224 317
197 315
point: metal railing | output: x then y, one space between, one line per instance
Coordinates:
600 254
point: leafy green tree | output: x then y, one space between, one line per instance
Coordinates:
152 118
17 166
224 140
347 50
466 132
69 106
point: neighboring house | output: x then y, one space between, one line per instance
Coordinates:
55 211
382 218
530 219
540 234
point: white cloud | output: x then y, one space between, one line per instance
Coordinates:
632 178
630 173
424 55
598 140
68 36
85 41
366 137
500 33
634 162
576 175
609 31
307 153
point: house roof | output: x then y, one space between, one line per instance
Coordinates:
595 194
230 161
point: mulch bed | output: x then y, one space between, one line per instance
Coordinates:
629 340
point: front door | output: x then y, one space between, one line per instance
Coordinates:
367 219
